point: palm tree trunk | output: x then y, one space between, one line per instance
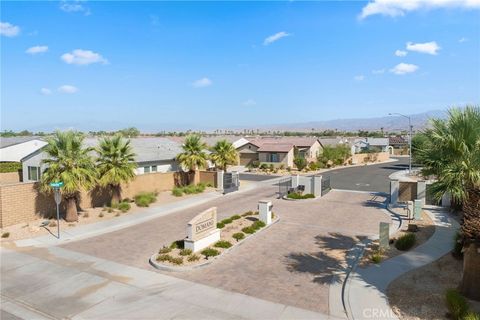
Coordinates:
116 195
72 214
470 285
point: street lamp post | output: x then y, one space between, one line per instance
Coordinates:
409 139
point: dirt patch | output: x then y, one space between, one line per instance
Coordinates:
420 293
426 228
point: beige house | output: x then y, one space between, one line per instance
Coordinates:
276 154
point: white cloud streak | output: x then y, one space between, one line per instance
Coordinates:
202 83
401 53
404 68
45 91
9 30
66 88
74 6
427 47
275 37
36 50
83 57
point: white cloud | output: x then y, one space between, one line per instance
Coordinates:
428 47
37 49
74 6
462 39
394 8
275 37
401 53
83 57
249 103
360 77
378 71
9 30
66 88
45 91
404 68
202 83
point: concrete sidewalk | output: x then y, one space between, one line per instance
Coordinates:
42 283
365 291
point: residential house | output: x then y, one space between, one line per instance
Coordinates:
151 155
13 149
397 142
370 144
247 151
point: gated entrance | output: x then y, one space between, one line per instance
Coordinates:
231 182
325 185
283 186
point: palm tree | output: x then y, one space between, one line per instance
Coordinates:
452 154
69 162
115 164
224 154
193 156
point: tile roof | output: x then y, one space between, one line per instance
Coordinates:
397 140
275 147
296 141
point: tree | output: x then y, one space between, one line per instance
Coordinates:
224 154
115 164
129 132
69 162
193 156
452 154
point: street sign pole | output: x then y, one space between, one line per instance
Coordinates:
58 198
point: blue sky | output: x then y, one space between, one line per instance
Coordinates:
164 65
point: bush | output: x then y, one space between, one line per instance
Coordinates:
177 192
10 167
124 206
100 215
220 225
249 230
164 257
144 199
300 163
110 210
376 257
298 196
176 261
190 189
164 250
235 217
457 305
263 166
248 213
223 244
5 234
313 166
193 257
238 236
226 221
405 242
457 246
210 252
127 200
185 252
258 225
271 167
255 164
177 244
471 316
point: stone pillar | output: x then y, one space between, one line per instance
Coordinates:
418 210
317 186
295 180
394 185
410 209
265 211
220 180
421 191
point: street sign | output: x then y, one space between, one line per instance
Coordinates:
56 184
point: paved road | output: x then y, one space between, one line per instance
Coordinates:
366 178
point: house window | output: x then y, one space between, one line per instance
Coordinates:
273 157
154 168
33 173
146 169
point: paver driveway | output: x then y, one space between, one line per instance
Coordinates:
292 262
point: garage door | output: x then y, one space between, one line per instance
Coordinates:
247 158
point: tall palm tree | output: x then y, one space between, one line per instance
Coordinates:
115 164
224 154
69 162
193 156
452 154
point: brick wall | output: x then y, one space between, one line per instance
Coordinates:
359 158
208 177
10 177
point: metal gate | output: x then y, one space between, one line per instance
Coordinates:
325 185
283 186
231 182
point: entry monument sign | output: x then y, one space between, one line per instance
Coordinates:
202 230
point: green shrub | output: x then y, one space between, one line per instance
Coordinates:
193 257
263 166
226 221
235 217
10 167
405 242
177 244
376 257
249 230
457 245
300 163
313 166
220 225
255 164
210 252
457 305
298 196
110 210
164 257
124 206
5 234
164 250
248 213
223 244
177 261
471 316
238 236
271 167
177 192
127 200
185 252
190 189
144 199
258 224
200 188
281 166
100 215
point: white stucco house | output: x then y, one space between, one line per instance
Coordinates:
15 149
362 144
